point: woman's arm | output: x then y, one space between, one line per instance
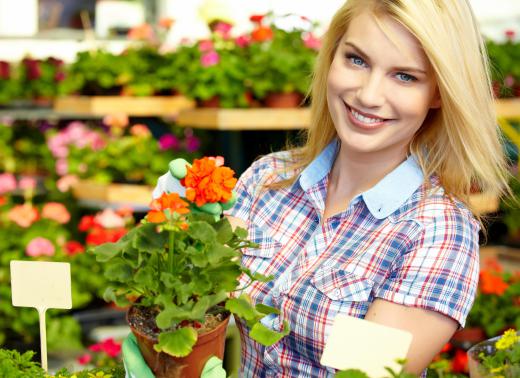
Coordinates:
430 330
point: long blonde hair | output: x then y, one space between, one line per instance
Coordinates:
461 142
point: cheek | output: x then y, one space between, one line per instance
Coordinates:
413 103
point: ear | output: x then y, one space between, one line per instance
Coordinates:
436 100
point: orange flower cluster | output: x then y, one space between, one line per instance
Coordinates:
492 283
208 181
170 201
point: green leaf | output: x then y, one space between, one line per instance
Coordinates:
202 231
219 252
266 336
266 310
351 373
171 315
147 277
147 239
241 232
118 270
198 257
224 231
242 307
107 251
178 343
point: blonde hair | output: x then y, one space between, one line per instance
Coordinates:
461 141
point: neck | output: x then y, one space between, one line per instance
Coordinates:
354 173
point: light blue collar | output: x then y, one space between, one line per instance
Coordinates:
382 199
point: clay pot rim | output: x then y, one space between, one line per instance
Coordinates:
201 337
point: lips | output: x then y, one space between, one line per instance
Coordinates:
364 120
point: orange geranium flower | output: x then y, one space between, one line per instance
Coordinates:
170 201
208 181
492 284
262 34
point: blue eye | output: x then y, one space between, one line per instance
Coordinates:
405 77
356 60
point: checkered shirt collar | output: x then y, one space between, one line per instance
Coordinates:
382 199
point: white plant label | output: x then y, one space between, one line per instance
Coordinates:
41 285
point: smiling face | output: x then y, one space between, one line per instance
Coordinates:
379 92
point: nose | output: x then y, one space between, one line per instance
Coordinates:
371 90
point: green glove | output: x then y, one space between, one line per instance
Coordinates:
136 367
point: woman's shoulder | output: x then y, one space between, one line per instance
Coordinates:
273 167
431 205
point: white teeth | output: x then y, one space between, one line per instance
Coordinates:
365 119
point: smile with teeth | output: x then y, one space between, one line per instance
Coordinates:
365 119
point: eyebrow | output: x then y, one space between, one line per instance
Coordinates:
365 56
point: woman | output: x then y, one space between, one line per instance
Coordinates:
371 217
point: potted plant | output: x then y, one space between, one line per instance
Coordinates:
9 87
496 357
505 68
496 305
39 79
214 71
281 62
179 269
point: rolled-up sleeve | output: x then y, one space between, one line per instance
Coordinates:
440 270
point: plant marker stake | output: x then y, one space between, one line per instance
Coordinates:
41 285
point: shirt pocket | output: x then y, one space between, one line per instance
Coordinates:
267 246
340 285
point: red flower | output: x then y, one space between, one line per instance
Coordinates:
86 223
73 247
510 34
257 18
459 364
109 346
84 359
99 235
262 34
446 348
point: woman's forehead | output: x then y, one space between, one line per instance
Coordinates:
384 36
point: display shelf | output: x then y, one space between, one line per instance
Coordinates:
132 106
484 204
93 194
245 119
508 108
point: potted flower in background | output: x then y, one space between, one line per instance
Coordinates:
496 305
214 71
177 269
9 87
39 79
281 61
496 357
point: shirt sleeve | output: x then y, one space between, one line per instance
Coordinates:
440 271
243 189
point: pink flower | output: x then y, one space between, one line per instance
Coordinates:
56 211
205 45
141 32
243 41
192 144
27 183
7 183
84 359
219 160
310 41
509 81
140 130
166 22
223 28
23 215
510 34
66 182
168 141
109 346
108 218
40 247
62 167
210 59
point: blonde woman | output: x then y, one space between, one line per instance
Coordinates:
371 218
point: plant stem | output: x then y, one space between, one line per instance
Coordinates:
170 255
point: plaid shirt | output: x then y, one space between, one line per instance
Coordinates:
400 241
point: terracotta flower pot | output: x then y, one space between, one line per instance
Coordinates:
283 100
213 102
467 337
208 344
